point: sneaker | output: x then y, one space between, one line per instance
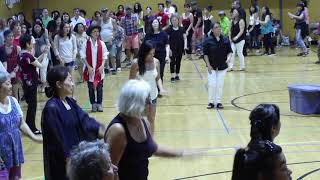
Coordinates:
172 80
242 69
177 78
230 70
219 106
300 54
37 132
106 70
128 64
94 108
210 106
317 62
119 69
113 72
99 108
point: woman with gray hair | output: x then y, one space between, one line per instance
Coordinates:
11 121
91 161
128 134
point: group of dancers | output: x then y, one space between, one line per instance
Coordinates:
47 53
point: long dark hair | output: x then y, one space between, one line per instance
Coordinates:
256 160
57 73
160 29
254 11
262 119
54 22
144 50
36 35
61 33
137 10
267 13
305 3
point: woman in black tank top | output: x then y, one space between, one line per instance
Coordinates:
237 37
128 134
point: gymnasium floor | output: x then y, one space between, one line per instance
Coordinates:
184 122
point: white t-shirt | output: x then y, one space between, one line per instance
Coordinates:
10 107
75 21
171 10
66 48
94 50
2 68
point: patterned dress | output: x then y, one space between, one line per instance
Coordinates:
10 139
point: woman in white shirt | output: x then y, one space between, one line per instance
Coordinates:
94 54
254 28
65 46
147 68
81 37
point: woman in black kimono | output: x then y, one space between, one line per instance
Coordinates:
64 124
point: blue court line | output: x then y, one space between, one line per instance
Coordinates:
226 127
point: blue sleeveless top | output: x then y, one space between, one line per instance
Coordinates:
10 139
267 28
134 162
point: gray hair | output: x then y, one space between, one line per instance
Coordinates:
89 161
4 76
175 15
132 99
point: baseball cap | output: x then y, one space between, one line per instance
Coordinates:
222 13
104 9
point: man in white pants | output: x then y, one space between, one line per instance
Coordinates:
217 50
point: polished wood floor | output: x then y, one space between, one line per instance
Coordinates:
183 122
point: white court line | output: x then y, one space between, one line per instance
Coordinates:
34 178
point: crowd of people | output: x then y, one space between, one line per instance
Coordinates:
49 54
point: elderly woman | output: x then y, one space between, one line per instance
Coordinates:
64 124
91 160
128 134
11 121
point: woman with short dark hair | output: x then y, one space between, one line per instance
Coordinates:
217 51
64 124
30 79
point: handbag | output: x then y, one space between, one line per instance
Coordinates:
4 174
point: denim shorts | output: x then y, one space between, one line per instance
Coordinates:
112 49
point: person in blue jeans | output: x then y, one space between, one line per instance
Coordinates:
300 27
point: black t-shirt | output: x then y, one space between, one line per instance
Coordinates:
217 51
159 41
176 39
196 15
